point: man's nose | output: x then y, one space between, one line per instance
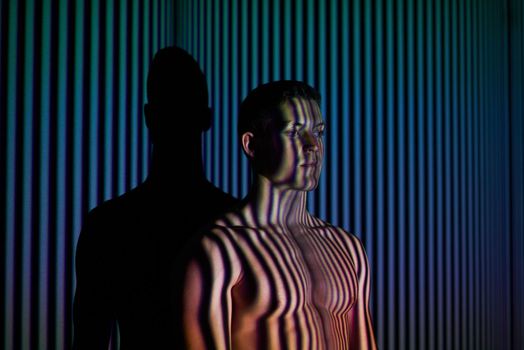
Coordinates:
310 142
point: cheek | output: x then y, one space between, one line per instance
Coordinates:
269 156
285 161
292 153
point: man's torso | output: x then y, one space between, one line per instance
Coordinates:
296 290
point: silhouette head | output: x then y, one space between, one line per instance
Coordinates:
177 96
280 128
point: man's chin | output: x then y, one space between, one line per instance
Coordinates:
311 185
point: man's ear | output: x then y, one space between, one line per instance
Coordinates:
248 144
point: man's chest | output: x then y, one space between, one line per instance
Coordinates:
289 275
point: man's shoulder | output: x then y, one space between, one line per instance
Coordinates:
101 229
350 238
119 204
228 226
220 228
316 223
109 217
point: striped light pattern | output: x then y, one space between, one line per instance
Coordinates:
72 88
424 145
286 288
269 275
516 77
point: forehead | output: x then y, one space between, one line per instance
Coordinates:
300 110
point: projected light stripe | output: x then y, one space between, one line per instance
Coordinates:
517 160
424 146
41 332
228 257
72 88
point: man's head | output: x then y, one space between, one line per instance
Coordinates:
177 96
280 128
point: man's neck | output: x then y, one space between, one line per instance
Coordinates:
272 205
177 169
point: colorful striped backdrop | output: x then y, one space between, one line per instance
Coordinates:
425 144
72 88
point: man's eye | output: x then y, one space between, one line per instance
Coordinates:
293 133
319 133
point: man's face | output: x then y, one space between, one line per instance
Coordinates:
291 152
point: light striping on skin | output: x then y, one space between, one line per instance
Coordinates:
280 268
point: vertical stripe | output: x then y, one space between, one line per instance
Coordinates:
94 115
11 91
45 149
27 172
386 285
331 115
60 181
135 104
224 86
78 108
121 115
517 168
320 84
109 101
233 100
345 114
357 114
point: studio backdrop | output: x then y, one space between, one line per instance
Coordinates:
424 145
423 101
72 88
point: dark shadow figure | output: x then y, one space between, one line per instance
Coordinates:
128 245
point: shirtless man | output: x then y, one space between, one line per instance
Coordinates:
269 274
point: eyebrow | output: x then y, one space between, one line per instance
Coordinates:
293 124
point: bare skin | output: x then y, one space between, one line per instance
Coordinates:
270 275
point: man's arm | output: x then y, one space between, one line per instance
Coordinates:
210 274
91 310
362 335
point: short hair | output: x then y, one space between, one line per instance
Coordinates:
174 77
264 102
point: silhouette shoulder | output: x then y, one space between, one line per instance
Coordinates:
118 204
221 200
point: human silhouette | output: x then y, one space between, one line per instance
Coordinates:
268 274
128 245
